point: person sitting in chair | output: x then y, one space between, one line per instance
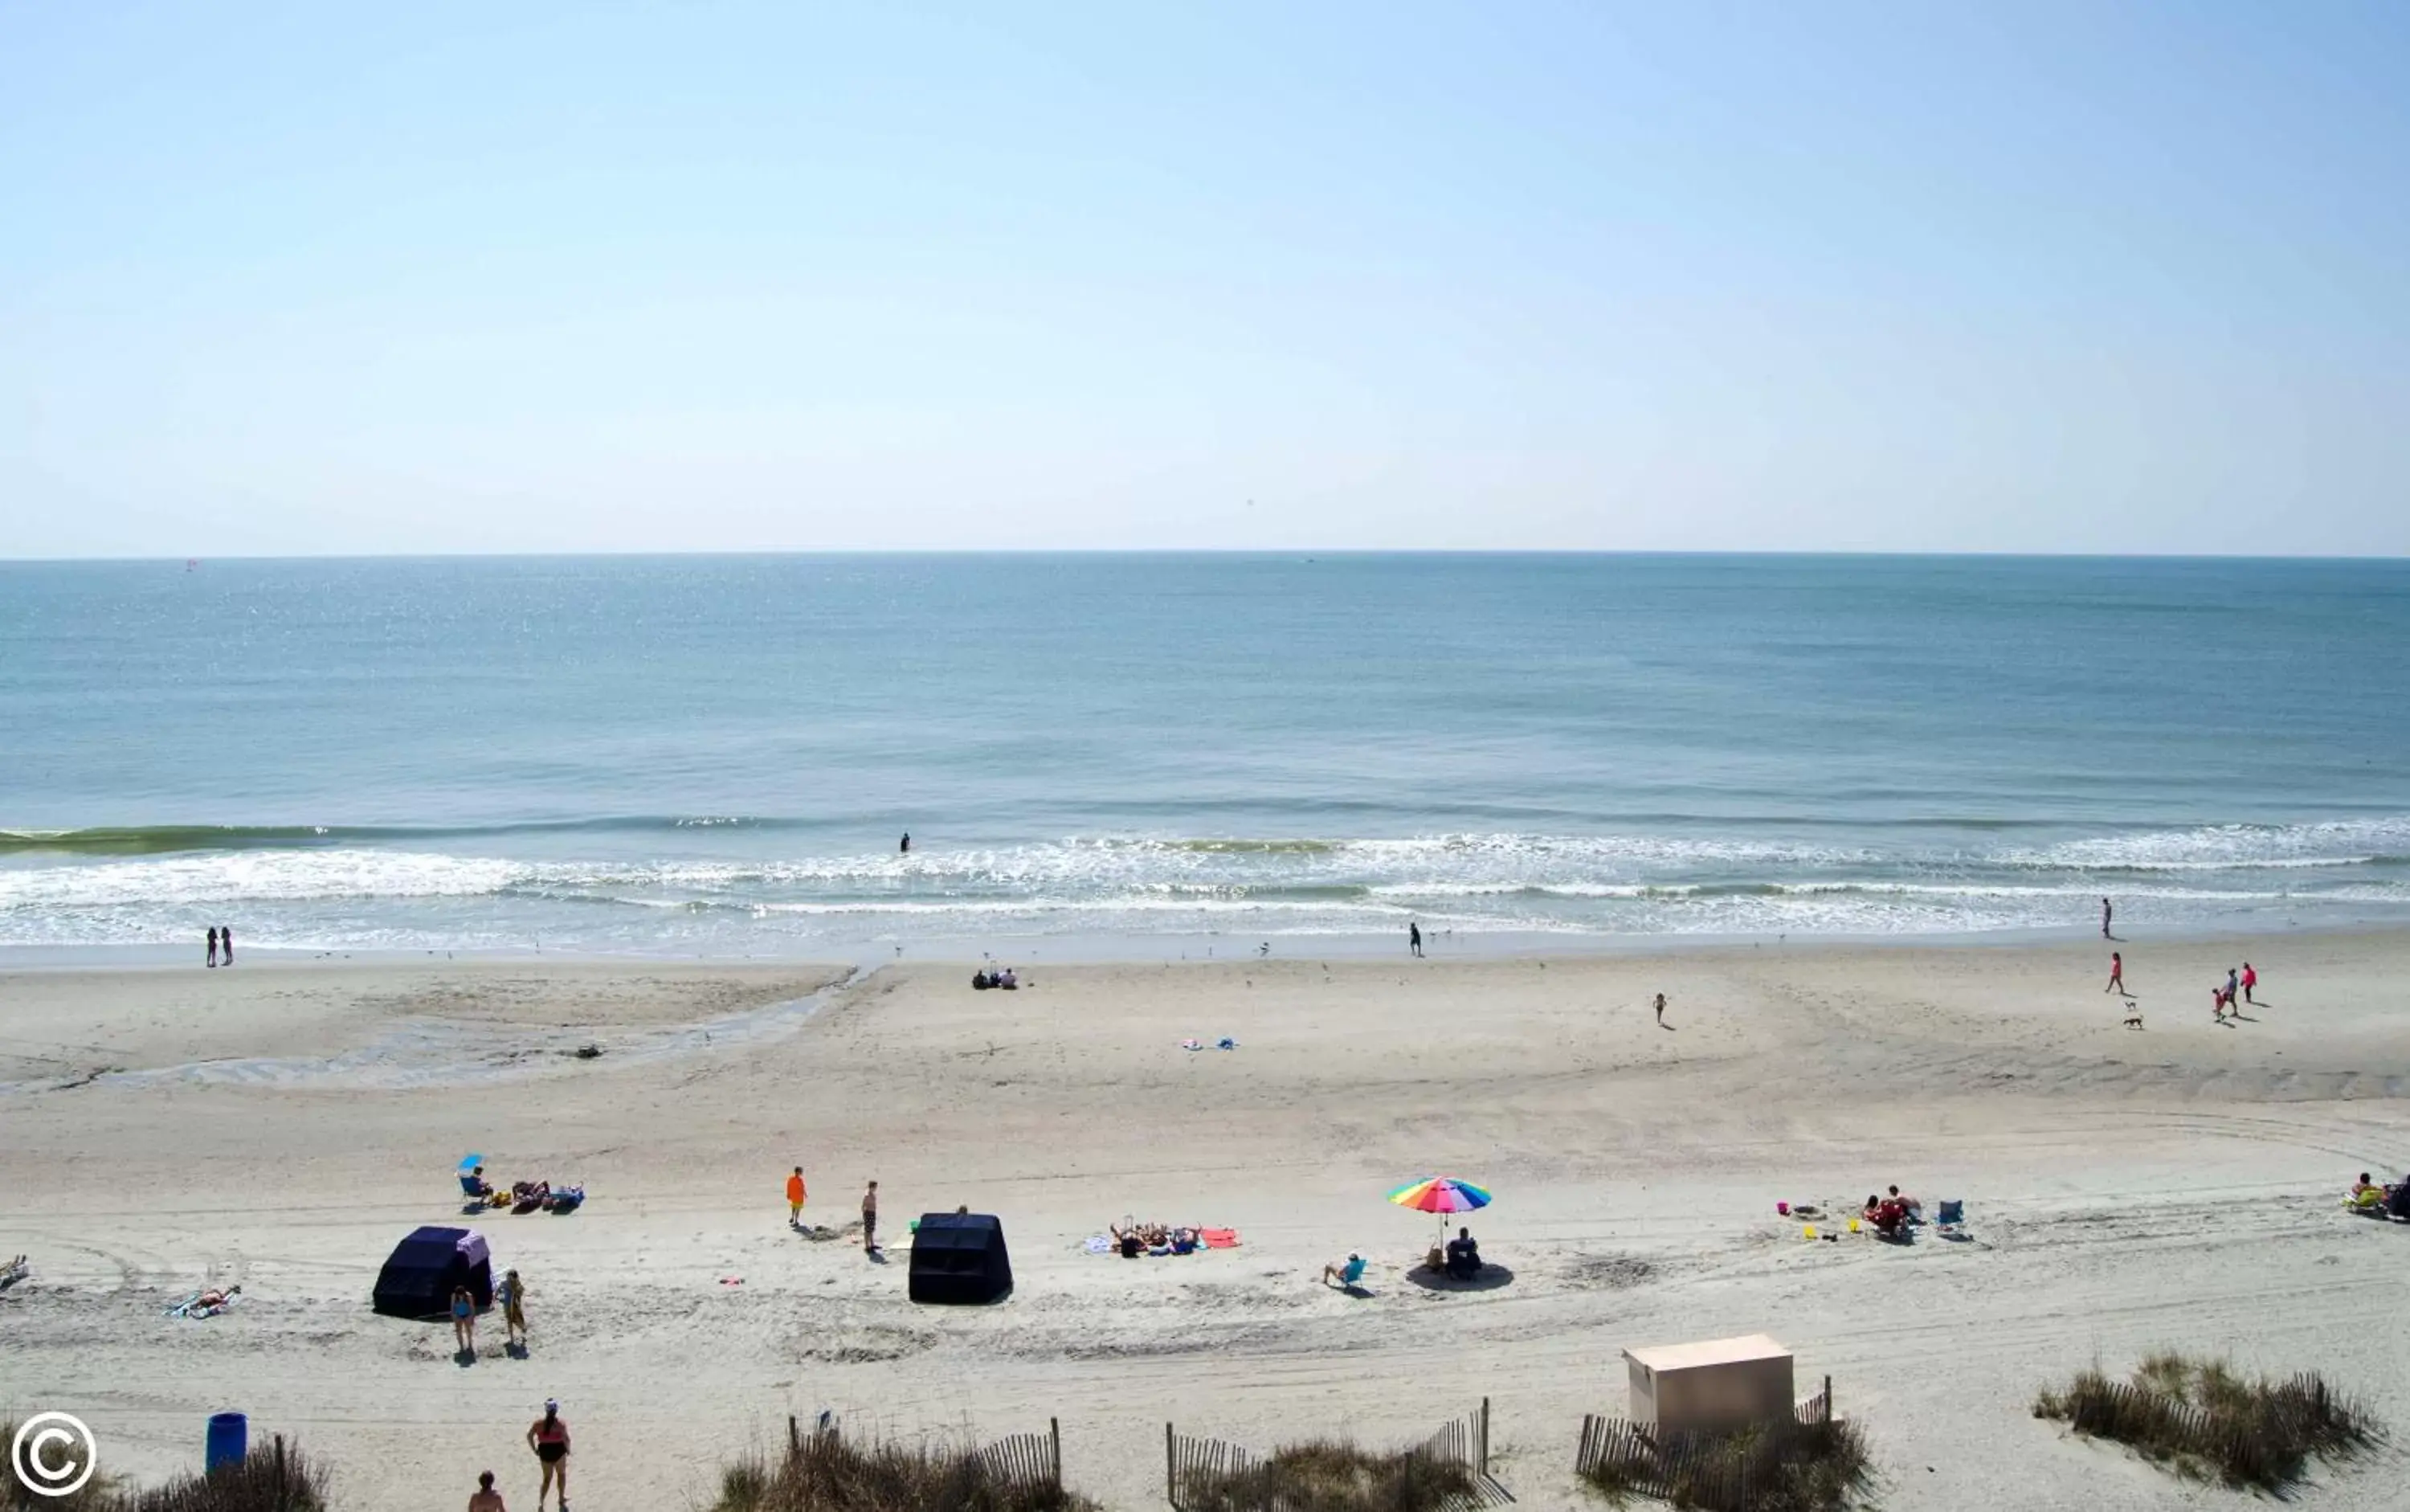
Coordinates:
1463 1256
472 1183
1344 1276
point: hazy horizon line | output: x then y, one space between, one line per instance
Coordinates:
1308 553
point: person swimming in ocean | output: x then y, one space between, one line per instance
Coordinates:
905 849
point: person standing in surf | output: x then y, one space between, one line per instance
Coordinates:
214 945
1414 937
2105 914
226 944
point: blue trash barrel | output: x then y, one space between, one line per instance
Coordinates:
229 1439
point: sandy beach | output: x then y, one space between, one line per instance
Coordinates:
281 1124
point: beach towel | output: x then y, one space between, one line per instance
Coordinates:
1098 1244
1219 1237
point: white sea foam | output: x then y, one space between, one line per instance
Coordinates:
367 897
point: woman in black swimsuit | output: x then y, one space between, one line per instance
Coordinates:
549 1438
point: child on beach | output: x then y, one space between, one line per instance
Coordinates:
2117 973
464 1322
870 1220
795 1198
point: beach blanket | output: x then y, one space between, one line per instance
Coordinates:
1098 1245
1219 1237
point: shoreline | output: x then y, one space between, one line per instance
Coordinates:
1229 949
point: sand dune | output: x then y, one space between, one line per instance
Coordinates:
281 1124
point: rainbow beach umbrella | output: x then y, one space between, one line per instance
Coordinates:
1441 1195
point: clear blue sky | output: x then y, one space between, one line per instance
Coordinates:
2054 277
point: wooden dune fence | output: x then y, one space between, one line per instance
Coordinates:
1193 1465
1029 1462
1665 1459
1024 1461
2305 1401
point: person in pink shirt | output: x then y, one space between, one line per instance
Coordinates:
2250 980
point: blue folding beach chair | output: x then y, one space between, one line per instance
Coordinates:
1950 1219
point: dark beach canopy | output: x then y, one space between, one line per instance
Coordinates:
419 1275
960 1257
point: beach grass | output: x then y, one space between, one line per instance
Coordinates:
827 1473
2201 1419
287 1482
1776 1466
1333 1475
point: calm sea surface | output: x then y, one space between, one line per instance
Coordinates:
719 754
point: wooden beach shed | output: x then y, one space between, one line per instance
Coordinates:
1723 1383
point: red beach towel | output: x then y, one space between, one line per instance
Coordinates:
1219 1237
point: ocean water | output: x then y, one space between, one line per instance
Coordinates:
718 755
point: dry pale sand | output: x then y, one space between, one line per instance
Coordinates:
281 1125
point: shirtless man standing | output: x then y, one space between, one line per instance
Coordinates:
869 1223
486 1499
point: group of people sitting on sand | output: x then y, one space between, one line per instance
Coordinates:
523 1196
1001 976
1460 1260
1154 1238
2386 1199
1892 1214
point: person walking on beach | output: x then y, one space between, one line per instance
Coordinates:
226 945
511 1294
795 1198
1414 938
213 944
549 1438
464 1323
484 1498
2117 974
2233 985
1661 1010
2106 912
2250 980
870 1220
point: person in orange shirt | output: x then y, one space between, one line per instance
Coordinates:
795 1198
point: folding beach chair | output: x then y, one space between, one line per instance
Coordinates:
1950 1218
